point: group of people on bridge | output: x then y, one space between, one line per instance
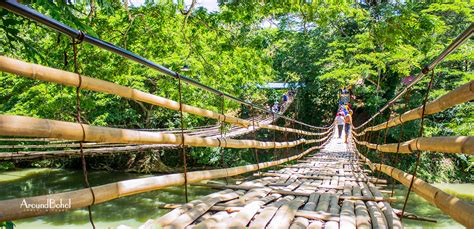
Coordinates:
344 114
280 107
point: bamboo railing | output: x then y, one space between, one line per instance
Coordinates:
462 94
109 149
456 144
11 209
39 72
12 125
459 210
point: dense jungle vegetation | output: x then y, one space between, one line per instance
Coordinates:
370 45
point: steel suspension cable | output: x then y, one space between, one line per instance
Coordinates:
420 134
183 150
79 120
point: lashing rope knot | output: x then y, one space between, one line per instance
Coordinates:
425 70
220 143
80 37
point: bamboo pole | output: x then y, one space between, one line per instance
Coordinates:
12 125
12 210
39 72
459 210
74 152
452 144
60 145
300 213
462 94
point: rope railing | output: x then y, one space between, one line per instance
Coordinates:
53 75
453 46
27 12
11 209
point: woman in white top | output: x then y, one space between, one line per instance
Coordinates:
340 123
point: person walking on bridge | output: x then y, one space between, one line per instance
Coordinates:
347 125
340 123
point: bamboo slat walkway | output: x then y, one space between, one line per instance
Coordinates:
328 189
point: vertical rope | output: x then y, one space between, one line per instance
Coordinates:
295 135
367 139
222 150
400 137
183 150
79 120
301 126
274 137
286 142
299 137
382 161
420 134
255 138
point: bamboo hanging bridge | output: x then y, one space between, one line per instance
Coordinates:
331 185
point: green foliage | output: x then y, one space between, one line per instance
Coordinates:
7 225
6 166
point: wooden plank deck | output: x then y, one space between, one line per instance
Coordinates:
328 189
